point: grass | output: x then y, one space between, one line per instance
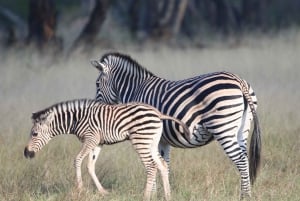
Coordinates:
29 83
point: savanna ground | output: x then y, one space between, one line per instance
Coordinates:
28 83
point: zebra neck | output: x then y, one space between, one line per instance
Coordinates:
78 124
130 81
147 90
70 121
73 126
128 89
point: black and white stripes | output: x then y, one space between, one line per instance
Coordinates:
96 124
217 106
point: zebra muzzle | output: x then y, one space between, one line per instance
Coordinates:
28 153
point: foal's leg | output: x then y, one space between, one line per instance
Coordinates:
160 163
164 172
164 150
151 170
144 151
87 147
93 155
77 163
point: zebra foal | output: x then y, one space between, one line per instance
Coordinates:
96 124
217 105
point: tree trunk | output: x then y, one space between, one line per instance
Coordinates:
179 17
89 33
222 15
167 12
14 26
251 13
144 16
42 23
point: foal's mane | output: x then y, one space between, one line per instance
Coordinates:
40 114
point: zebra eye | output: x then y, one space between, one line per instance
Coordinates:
34 134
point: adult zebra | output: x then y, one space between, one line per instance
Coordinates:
96 124
217 106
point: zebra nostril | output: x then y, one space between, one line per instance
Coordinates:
28 153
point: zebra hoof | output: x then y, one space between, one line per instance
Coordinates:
245 197
103 192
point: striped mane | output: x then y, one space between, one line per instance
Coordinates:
43 113
117 58
40 115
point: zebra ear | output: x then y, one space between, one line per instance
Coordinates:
98 65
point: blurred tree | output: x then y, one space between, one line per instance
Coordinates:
157 20
12 25
143 17
252 13
89 33
42 24
182 5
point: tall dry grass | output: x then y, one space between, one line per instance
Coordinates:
29 82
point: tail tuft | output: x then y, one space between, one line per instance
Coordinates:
255 150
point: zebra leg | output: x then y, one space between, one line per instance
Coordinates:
242 140
93 156
160 163
85 150
243 166
144 151
245 129
164 150
228 140
164 172
151 170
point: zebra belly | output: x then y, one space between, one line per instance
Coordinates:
176 138
201 136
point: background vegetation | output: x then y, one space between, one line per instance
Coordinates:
105 23
264 49
271 65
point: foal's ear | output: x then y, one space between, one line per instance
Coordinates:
98 65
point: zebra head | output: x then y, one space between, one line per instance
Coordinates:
105 88
40 133
120 78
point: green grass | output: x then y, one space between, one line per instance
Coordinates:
29 83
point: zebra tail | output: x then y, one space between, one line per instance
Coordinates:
187 133
255 150
255 142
